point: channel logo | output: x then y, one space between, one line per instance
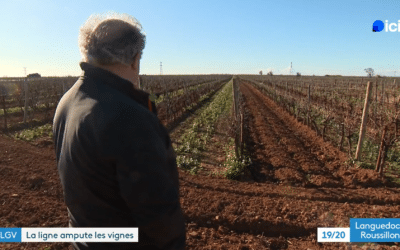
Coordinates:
378 26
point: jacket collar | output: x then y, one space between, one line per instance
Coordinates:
116 82
106 77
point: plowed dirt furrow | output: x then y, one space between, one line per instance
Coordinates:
290 158
30 193
288 152
230 214
224 214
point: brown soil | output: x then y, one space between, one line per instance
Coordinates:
31 193
301 183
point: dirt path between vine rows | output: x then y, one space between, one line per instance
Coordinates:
300 184
290 153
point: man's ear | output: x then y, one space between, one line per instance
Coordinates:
136 62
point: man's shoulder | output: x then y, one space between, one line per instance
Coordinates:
104 109
106 97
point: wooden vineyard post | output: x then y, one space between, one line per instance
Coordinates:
241 135
235 116
237 98
396 120
383 93
363 121
26 99
376 101
309 105
235 113
381 149
382 165
3 101
234 97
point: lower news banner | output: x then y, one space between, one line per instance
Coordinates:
57 234
375 230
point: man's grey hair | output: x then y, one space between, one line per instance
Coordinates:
111 38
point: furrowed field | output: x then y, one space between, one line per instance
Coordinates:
263 160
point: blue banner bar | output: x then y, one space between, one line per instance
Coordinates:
374 230
10 234
69 234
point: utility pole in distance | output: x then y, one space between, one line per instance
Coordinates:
160 68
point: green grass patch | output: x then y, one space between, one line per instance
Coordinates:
233 165
11 110
40 107
194 140
31 134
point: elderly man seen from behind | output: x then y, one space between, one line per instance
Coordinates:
114 157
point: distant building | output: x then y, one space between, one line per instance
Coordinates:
34 75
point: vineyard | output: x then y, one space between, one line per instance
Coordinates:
263 160
26 97
334 110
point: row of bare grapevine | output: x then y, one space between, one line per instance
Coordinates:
161 84
333 107
172 108
27 96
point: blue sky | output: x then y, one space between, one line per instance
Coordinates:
209 36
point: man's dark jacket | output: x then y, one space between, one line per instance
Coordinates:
116 162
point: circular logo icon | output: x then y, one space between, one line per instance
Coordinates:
378 26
